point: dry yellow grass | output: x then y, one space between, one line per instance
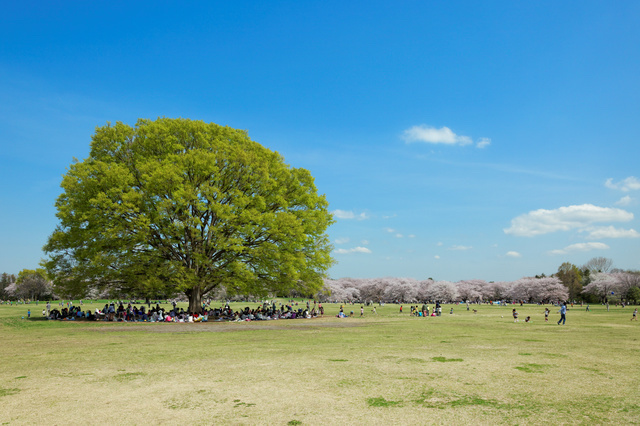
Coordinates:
383 369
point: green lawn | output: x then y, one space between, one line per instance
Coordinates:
388 368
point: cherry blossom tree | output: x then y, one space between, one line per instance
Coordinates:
444 291
471 290
602 285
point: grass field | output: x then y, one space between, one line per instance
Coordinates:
388 368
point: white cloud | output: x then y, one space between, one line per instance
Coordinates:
543 221
343 240
629 184
399 235
411 236
364 242
624 201
461 248
352 250
611 232
428 134
436 257
513 254
439 244
483 143
344 214
390 230
581 247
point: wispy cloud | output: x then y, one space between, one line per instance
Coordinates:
352 250
428 134
443 135
342 240
581 247
543 221
611 232
483 143
513 254
347 214
624 201
629 184
460 248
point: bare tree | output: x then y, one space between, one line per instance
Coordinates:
598 264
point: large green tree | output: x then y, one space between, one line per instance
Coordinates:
571 278
180 205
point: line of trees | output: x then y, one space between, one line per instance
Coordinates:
613 286
29 285
598 281
408 290
594 282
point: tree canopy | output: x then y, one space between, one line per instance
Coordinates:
571 277
33 284
180 205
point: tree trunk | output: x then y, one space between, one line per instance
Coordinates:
195 299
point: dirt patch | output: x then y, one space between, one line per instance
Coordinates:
221 327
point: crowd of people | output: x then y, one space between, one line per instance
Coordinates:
133 311
118 312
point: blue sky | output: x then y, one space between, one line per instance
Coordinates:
453 139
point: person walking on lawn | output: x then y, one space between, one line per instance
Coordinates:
563 313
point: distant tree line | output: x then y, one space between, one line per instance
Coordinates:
408 290
594 282
29 285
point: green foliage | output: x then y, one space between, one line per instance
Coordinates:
633 294
33 284
186 206
571 278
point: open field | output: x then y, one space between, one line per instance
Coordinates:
388 368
